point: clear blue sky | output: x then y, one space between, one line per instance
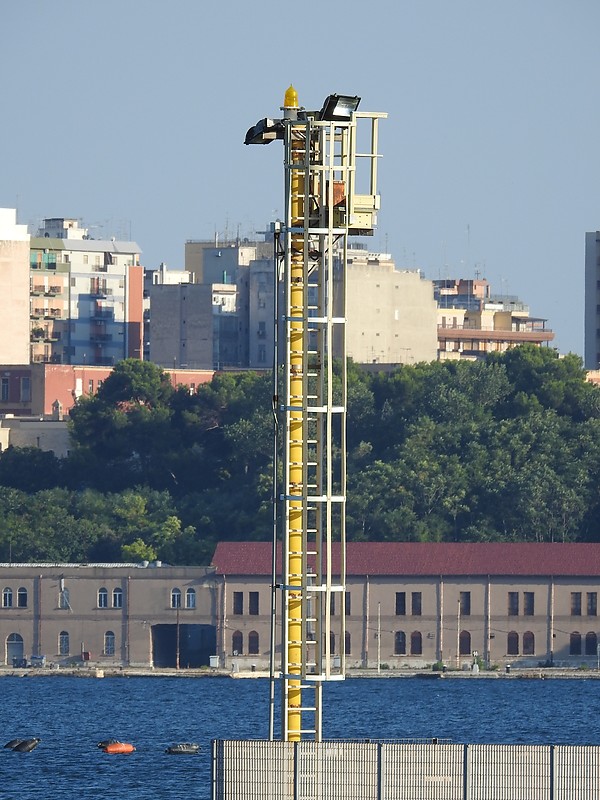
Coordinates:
131 115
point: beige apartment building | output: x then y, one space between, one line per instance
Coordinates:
406 605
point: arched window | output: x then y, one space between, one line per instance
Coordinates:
63 643
109 643
464 643
416 644
399 643
22 597
102 598
347 643
253 643
237 643
117 598
591 644
190 598
512 644
528 644
7 597
175 598
575 644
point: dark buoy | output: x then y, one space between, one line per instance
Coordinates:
13 743
183 748
105 742
26 746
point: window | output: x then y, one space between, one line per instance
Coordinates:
399 643
416 604
575 604
528 643
175 598
63 599
238 602
592 604
575 644
512 644
102 598
262 354
109 643
465 605
513 604
591 644
347 643
4 388
22 597
253 603
347 604
25 390
7 597
190 598
416 643
237 643
464 643
528 604
400 604
63 643
117 598
332 643
90 387
253 643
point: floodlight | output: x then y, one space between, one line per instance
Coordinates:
265 131
339 107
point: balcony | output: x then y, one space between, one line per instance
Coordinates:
38 289
100 338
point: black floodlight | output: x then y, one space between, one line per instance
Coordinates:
339 107
265 131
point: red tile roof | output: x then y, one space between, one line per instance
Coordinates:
428 559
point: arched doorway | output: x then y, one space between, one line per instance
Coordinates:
15 651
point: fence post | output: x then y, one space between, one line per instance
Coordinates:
379 772
552 785
466 772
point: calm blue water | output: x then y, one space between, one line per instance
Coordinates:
72 714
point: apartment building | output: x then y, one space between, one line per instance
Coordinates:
86 296
473 322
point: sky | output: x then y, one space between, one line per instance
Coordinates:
130 115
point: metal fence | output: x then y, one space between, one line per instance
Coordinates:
334 770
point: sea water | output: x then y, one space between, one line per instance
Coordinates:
71 715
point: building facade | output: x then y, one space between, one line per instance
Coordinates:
412 604
591 351
14 289
406 605
86 297
110 615
473 322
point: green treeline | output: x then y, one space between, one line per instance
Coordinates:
503 449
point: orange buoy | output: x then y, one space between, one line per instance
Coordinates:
119 747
